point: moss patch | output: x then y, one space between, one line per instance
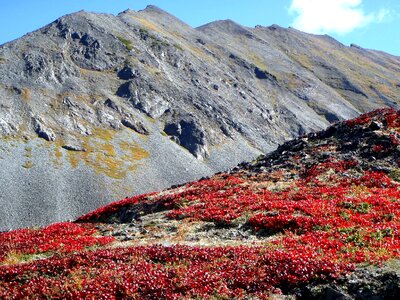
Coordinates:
28 164
133 152
106 155
198 52
179 47
395 174
28 152
14 257
26 94
58 155
127 43
148 24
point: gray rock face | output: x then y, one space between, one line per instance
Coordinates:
205 98
145 97
136 126
190 135
365 283
42 131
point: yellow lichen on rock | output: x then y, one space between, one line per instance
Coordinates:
149 25
133 151
28 164
28 152
106 155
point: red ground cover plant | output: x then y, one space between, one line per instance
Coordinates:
57 238
156 272
106 210
326 226
389 115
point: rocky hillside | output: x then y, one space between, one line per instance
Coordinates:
95 107
319 218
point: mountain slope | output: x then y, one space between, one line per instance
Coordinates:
316 219
95 107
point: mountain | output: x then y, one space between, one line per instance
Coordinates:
96 107
318 218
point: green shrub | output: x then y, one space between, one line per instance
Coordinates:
179 47
395 174
127 43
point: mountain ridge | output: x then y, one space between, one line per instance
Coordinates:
107 100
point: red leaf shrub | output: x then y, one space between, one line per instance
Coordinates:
57 238
177 272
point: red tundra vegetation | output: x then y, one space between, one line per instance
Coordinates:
320 205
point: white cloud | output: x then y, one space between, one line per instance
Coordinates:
332 16
384 15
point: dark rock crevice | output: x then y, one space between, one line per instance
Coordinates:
189 134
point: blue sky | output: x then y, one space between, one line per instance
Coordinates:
369 23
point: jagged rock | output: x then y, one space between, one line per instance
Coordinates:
111 104
124 90
72 147
375 125
91 50
261 74
364 284
73 144
355 46
200 41
145 97
331 117
190 135
154 105
374 283
82 129
108 119
127 73
135 126
35 63
325 292
6 128
42 131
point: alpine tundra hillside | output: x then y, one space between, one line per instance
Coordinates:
96 107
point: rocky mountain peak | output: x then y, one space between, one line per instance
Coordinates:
108 100
224 25
127 11
274 27
153 8
159 16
